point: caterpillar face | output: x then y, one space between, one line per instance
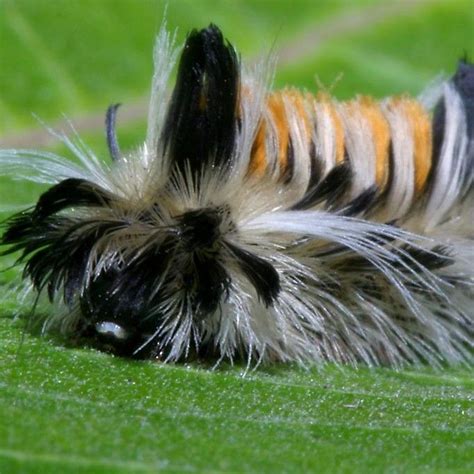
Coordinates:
270 225
125 303
181 270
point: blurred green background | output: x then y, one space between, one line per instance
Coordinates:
76 410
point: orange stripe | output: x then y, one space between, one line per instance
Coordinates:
380 130
418 118
420 125
258 156
276 112
276 108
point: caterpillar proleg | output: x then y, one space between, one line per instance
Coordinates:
278 226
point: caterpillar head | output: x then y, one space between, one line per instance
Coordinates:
144 256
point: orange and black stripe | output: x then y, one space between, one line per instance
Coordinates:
286 105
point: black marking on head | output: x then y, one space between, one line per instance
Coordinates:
330 189
68 193
201 123
121 295
206 283
260 273
128 295
200 228
204 279
111 133
116 302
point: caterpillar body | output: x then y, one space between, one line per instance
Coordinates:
272 226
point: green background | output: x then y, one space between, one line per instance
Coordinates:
76 410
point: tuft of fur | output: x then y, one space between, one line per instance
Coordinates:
243 228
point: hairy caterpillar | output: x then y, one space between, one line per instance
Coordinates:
276 226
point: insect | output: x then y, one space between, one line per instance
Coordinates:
268 225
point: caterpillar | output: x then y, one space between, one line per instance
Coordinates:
272 226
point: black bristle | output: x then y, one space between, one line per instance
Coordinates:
206 284
289 170
261 274
69 193
330 189
464 82
316 167
361 204
201 122
438 126
55 249
390 173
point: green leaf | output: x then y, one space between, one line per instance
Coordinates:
66 409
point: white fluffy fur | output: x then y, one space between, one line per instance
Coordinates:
310 321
